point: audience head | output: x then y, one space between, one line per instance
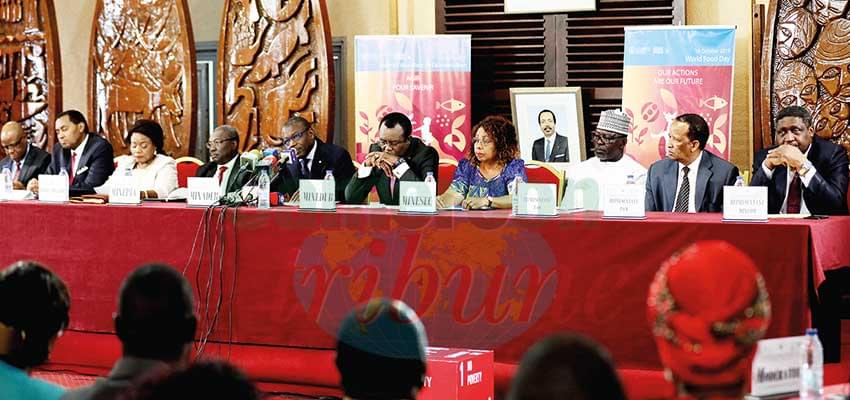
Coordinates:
201 380
155 317
494 140
609 138
794 127
34 304
546 119
223 144
394 133
688 136
566 367
71 128
14 140
707 308
146 140
381 351
298 134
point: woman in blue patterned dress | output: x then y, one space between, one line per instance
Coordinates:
481 180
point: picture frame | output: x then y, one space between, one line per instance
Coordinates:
566 126
548 6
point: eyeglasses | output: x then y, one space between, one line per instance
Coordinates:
288 141
390 143
218 142
605 139
13 145
483 141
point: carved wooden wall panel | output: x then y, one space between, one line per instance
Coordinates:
275 61
30 76
143 66
806 62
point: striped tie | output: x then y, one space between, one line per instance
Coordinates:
684 192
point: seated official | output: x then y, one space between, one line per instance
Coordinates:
611 166
85 157
154 173
24 160
707 308
34 304
314 159
396 157
481 180
690 179
223 146
804 174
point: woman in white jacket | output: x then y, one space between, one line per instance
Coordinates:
154 173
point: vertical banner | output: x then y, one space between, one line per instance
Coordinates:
426 78
676 70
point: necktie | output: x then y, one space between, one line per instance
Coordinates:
305 169
684 192
73 170
17 171
392 185
221 170
794 192
548 149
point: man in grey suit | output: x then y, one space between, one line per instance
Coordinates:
24 160
690 179
552 147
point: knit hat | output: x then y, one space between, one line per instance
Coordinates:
614 121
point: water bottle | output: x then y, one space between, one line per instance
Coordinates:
263 185
329 176
811 368
630 180
513 189
6 178
63 173
739 181
432 183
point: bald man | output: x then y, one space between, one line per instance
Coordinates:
22 158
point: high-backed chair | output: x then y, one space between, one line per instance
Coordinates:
186 167
445 173
540 172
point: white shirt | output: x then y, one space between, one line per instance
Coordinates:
160 175
78 151
606 173
310 156
226 173
693 168
804 180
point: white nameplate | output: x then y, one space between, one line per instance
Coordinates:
624 201
417 197
537 200
203 192
4 195
53 188
745 203
317 194
776 366
122 190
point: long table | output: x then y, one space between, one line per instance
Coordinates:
273 283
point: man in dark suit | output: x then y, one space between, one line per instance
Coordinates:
86 157
24 160
223 146
396 157
690 179
314 158
804 173
552 147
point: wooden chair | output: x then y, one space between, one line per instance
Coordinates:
186 167
540 172
445 173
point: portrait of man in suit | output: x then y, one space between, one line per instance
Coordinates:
23 160
552 147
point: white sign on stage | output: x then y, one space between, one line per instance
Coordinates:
203 192
317 195
537 200
776 366
417 197
53 188
624 201
745 203
122 190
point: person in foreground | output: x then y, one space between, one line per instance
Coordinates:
690 179
200 380
396 157
24 160
34 305
86 157
384 357
707 308
154 173
804 174
156 326
481 180
568 367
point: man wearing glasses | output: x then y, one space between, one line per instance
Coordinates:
396 157
611 166
24 160
223 147
314 158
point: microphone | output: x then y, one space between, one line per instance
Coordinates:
248 160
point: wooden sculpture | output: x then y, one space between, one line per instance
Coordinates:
805 62
274 62
30 77
143 66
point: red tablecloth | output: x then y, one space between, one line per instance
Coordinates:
479 279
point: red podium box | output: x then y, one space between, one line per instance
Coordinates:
461 374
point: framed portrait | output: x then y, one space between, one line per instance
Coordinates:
549 124
548 6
